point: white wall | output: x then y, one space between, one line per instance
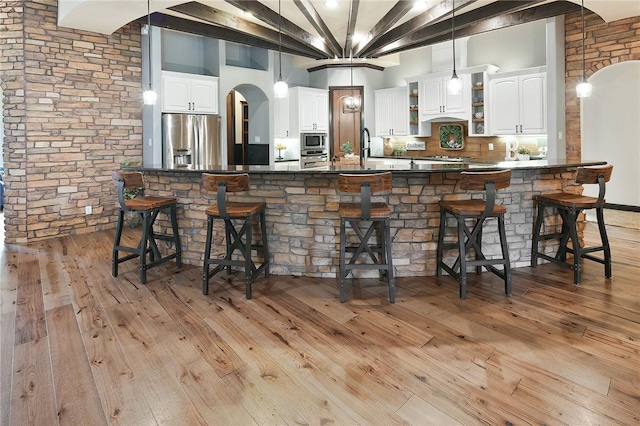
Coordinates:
513 48
611 129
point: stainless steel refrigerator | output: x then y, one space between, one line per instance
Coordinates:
191 141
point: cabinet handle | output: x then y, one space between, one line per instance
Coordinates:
521 128
516 128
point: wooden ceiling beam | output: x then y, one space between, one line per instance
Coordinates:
432 15
443 28
236 24
316 21
351 28
270 17
532 14
401 8
289 46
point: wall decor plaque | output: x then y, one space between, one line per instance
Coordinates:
451 136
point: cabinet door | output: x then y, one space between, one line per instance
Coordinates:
204 95
431 101
504 106
322 111
399 112
175 94
456 103
307 112
384 113
281 118
533 110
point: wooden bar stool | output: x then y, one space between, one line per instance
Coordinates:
148 207
471 238
364 217
242 214
569 206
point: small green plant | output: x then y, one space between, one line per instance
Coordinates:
399 150
524 151
347 147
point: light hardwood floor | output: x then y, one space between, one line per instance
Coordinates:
81 347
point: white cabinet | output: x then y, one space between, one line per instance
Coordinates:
281 125
392 113
190 93
436 101
518 104
309 110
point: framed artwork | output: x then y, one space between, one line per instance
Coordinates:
451 136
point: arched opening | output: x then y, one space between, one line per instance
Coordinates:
247 126
610 129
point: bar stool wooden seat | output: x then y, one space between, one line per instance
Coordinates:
478 211
148 207
364 218
234 213
569 206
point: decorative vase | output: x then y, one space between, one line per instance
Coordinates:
279 157
387 148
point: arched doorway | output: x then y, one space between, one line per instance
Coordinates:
610 129
247 126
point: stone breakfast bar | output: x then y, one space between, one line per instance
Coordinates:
302 209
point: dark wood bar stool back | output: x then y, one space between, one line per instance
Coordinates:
569 206
131 184
364 218
477 211
238 219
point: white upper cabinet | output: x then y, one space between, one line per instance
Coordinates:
392 113
436 101
189 93
281 127
309 110
518 104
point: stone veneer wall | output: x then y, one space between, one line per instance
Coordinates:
303 222
72 114
605 44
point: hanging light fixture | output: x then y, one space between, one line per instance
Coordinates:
454 86
583 89
280 88
149 96
351 103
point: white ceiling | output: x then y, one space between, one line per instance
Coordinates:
107 16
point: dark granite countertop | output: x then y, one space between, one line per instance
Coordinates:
385 164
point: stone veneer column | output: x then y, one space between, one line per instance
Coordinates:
72 114
605 44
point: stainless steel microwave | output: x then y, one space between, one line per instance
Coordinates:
313 141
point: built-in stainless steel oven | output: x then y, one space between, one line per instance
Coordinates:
313 158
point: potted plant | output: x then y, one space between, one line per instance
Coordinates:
399 151
347 148
523 153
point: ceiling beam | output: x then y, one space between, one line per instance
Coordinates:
401 8
532 14
353 16
236 24
443 28
430 16
314 19
270 17
194 27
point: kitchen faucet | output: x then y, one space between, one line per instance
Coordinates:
365 152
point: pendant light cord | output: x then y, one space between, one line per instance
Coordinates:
149 39
583 35
279 40
453 32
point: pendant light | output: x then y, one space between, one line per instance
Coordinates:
280 88
583 89
149 96
351 103
454 86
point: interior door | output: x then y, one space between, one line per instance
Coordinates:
346 125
